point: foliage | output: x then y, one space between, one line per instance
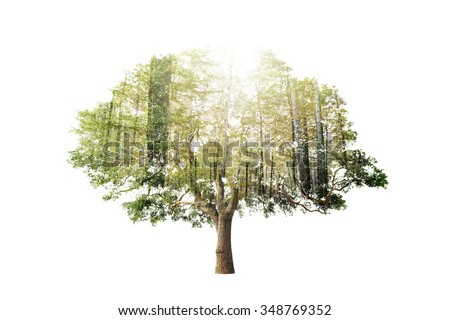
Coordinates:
188 137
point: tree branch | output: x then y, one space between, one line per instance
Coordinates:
292 201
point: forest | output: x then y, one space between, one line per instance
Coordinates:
199 135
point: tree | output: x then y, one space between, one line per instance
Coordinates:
190 137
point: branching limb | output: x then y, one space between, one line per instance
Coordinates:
302 205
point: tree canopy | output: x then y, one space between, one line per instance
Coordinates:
192 137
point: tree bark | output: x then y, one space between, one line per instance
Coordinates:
305 154
321 160
224 255
294 155
224 208
303 170
158 97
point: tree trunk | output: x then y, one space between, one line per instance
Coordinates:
321 160
224 255
158 102
305 156
294 155
303 170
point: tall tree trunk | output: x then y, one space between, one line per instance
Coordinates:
303 171
158 107
224 254
261 189
328 142
107 136
119 128
305 152
246 179
321 160
224 208
226 137
271 176
109 125
260 169
294 154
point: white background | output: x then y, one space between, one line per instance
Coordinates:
67 254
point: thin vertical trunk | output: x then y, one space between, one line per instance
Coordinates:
291 113
107 134
108 125
246 179
119 137
321 160
271 177
302 170
226 115
328 142
210 173
305 152
294 155
261 188
135 123
195 174
256 187
215 168
128 145
192 165
158 107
